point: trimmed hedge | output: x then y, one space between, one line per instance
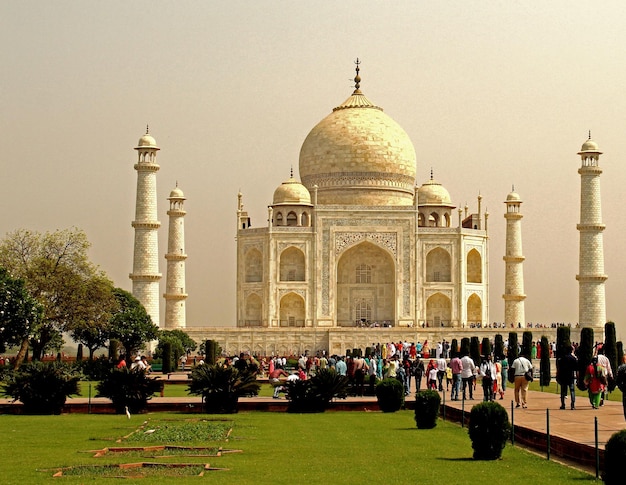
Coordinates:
427 409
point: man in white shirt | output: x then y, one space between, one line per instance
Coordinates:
467 375
521 365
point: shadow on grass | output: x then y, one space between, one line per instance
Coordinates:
467 458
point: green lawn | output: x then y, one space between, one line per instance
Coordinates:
279 448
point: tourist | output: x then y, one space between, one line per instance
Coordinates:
121 363
417 370
341 367
595 379
499 384
441 369
183 361
604 361
147 368
432 377
456 366
620 380
467 375
274 379
521 366
487 373
360 370
566 369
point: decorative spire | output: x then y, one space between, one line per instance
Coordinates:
431 173
589 135
512 187
357 78
291 172
147 129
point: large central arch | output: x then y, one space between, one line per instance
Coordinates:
366 286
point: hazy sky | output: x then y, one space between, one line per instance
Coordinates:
491 94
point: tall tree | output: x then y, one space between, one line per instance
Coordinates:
563 341
527 343
512 354
610 350
475 350
92 327
544 364
20 315
56 270
130 323
584 354
498 346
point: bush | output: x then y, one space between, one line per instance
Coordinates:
489 429
390 395
94 370
427 409
128 388
42 387
314 394
221 387
614 458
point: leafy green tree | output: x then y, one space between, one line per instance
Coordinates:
180 341
20 315
92 327
57 272
130 323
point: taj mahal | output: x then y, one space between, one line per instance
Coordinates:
355 251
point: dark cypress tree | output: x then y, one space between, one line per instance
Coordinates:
610 350
620 352
485 346
454 347
498 347
475 350
79 353
512 354
584 354
544 364
168 360
465 346
562 341
527 343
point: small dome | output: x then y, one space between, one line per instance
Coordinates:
589 146
147 141
513 197
433 193
176 193
292 192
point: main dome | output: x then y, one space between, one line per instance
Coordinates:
358 155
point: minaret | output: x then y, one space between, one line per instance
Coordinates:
591 277
175 296
145 275
514 271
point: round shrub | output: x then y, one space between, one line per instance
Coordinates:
427 409
128 388
489 429
614 458
390 395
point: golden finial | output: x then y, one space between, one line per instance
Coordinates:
357 78
147 129
589 135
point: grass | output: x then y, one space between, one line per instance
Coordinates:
278 448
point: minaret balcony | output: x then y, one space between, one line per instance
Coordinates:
175 296
147 167
591 227
146 224
175 257
145 277
592 278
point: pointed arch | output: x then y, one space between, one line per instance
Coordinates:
253 311
292 265
474 267
433 220
438 266
366 276
292 311
438 310
253 266
292 219
474 309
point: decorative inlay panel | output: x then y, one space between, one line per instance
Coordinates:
385 239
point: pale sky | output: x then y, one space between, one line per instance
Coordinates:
491 94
